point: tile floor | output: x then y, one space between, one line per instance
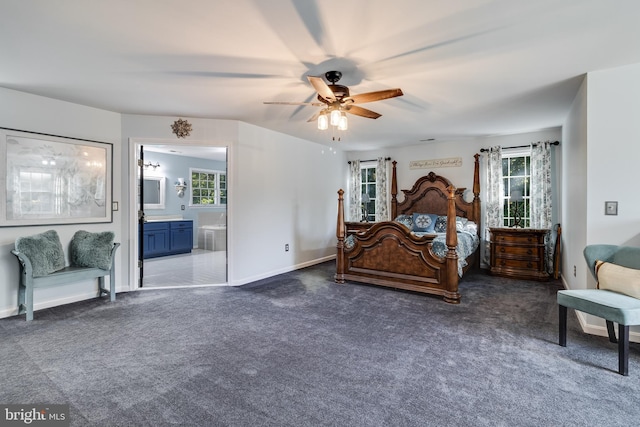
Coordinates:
200 267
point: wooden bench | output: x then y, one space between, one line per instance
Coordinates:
609 305
66 275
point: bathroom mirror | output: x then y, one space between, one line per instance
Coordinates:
154 190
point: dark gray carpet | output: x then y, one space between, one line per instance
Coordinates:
300 350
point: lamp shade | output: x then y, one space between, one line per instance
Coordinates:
323 122
335 118
342 123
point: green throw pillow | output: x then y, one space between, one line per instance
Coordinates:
44 251
91 249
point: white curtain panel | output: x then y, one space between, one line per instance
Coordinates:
382 197
355 190
493 212
541 194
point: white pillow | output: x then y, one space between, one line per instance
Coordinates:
618 278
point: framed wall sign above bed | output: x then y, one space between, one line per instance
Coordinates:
47 179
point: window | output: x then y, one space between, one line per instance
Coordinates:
516 175
208 187
368 179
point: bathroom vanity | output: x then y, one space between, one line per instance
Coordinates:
167 237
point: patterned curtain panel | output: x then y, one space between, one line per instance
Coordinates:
541 194
382 198
493 212
355 188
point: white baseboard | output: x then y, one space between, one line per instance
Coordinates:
282 271
8 312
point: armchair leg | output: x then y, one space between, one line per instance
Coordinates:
562 331
623 349
611 332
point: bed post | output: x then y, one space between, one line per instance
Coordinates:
451 294
394 192
476 191
340 234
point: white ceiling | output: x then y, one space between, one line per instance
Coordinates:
467 67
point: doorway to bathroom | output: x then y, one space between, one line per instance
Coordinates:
182 215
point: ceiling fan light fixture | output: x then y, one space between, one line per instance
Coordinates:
335 117
323 122
336 100
342 123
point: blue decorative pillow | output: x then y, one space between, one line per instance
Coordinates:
406 220
441 224
44 252
91 249
424 222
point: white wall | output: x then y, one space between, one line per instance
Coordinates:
285 193
574 192
281 191
27 112
613 150
613 154
602 137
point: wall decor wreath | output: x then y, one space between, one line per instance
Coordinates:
181 128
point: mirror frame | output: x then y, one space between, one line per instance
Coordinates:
161 180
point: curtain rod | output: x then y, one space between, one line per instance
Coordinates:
372 160
482 150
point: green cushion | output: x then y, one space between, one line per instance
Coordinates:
608 305
91 249
44 252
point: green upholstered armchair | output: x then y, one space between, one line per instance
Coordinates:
607 304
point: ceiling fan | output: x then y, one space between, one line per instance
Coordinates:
337 100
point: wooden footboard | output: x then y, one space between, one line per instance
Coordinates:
388 254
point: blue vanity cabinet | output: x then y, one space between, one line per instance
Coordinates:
161 238
181 237
155 239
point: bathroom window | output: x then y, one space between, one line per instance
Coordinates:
208 187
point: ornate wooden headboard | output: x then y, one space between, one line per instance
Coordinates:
429 195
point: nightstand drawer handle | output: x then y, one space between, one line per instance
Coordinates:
529 252
502 249
502 262
529 265
529 239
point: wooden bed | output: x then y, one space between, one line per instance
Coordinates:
388 254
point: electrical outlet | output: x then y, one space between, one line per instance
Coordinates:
286 247
574 271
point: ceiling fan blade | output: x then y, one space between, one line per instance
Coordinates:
322 88
315 104
375 96
315 117
359 111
